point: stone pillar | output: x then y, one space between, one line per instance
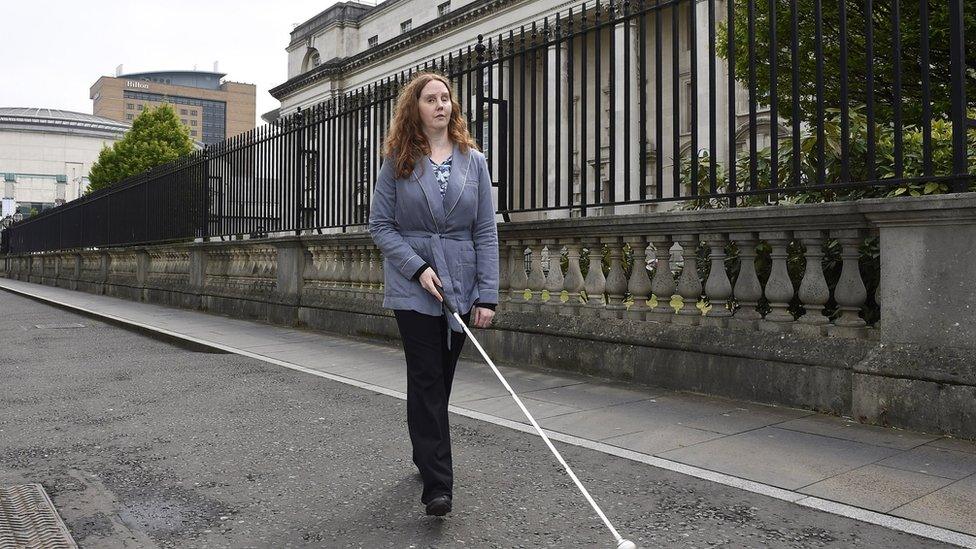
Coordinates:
689 285
289 280
103 269
562 140
573 283
718 287
616 279
779 288
626 107
639 284
75 274
143 265
813 291
662 285
850 293
555 280
747 289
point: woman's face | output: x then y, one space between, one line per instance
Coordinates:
435 106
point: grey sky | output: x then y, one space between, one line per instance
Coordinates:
53 51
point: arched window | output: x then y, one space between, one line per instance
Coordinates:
312 59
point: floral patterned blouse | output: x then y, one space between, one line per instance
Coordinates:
442 172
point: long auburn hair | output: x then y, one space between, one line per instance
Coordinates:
406 141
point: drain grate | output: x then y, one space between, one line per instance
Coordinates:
28 520
59 326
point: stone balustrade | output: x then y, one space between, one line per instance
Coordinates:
857 308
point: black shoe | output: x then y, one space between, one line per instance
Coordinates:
439 506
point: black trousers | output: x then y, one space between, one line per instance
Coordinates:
430 374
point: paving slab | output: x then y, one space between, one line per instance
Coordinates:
956 444
950 507
876 487
934 461
504 406
849 429
744 418
593 395
662 438
783 458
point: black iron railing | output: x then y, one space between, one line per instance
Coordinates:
601 106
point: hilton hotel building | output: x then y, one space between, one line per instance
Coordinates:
211 109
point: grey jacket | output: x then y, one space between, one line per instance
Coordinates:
457 235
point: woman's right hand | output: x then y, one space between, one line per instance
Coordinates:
428 279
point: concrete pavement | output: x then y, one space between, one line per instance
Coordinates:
911 482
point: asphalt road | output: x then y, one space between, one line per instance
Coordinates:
142 443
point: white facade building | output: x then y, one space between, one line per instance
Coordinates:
351 45
46 154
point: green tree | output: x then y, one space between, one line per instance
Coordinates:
157 137
882 62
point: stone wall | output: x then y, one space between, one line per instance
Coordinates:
734 333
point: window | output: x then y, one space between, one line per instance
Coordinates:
444 9
183 120
182 112
312 60
193 112
373 40
193 133
128 116
140 106
130 106
406 25
193 122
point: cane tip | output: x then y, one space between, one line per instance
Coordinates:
626 544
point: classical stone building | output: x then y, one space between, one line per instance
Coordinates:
46 154
351 45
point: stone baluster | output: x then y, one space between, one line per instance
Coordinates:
747 289
537 278
616 279
813 291
504 274
519 280
362 273
310 272
850 293
779 288
639 284
573 283
689 285
269 261
331 277
596 282
662 285
555 279
718 287
269 264
345 268
376 272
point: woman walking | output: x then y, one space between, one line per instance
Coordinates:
433 219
